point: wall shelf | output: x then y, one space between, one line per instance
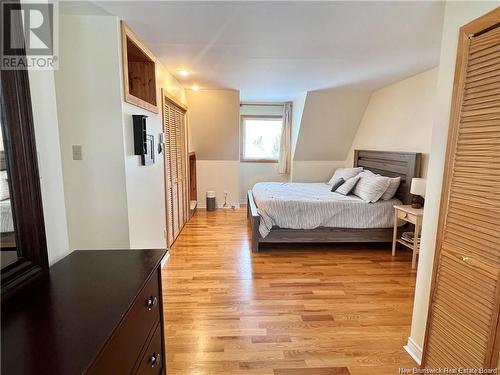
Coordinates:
139 72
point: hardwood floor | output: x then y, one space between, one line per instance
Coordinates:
288 310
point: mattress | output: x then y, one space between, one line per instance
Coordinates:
6 220
313 205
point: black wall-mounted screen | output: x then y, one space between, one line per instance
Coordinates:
140 141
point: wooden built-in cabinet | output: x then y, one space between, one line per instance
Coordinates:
463 320
176 166
139 71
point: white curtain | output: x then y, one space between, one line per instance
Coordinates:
286 135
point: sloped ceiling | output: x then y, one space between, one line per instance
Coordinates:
329 123
275 50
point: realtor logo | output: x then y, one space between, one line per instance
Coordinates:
29 35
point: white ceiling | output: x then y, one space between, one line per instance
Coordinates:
278 50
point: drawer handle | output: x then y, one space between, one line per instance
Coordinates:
466 260
151 302
155 357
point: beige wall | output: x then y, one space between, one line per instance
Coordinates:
214 124
328 125
399 117
297 112
456 15
213 131
314 170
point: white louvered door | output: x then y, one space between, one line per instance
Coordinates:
175 168
464 309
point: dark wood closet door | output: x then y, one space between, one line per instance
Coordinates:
464 309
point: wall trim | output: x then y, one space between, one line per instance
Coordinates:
219 205
414 350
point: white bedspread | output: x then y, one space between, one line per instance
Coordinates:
6 220
312 205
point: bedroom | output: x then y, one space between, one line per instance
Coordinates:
267 156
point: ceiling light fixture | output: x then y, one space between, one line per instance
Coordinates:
195 88
183 72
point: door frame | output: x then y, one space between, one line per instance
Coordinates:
474 28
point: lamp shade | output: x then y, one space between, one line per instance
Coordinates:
418 186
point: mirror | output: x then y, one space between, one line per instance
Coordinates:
8 248
23 246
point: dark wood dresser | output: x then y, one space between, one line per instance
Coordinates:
94 312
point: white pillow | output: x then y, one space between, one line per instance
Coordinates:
345 173
347 186
392 189
371 187
393 184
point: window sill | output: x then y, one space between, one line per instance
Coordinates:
258 161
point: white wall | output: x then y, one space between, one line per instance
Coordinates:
145 184
399 117
251 173
456 15
218 175
43 101
90 114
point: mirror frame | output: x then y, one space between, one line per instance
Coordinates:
24 179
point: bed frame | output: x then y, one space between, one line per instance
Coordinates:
392 164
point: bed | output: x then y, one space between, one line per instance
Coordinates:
7 231
336 218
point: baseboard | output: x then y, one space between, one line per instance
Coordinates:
204 206
414 350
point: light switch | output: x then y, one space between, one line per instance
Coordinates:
77 152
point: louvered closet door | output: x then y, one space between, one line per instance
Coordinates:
465 294
175 169
168 174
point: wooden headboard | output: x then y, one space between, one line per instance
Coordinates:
392 164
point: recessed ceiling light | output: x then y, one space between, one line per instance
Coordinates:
183 72
195 88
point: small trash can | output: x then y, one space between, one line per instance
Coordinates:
211 200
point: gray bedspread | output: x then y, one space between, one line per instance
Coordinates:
312 205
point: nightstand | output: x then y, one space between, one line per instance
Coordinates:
410 215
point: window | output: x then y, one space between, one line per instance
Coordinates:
261 137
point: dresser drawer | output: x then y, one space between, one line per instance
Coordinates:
123 349
152 361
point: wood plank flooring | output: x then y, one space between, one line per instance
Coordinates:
288 310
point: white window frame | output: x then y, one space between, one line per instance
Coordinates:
243 119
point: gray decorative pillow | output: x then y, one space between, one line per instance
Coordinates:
348 186
345 173
337 183
371 188
392 189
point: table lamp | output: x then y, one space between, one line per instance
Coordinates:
417 189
